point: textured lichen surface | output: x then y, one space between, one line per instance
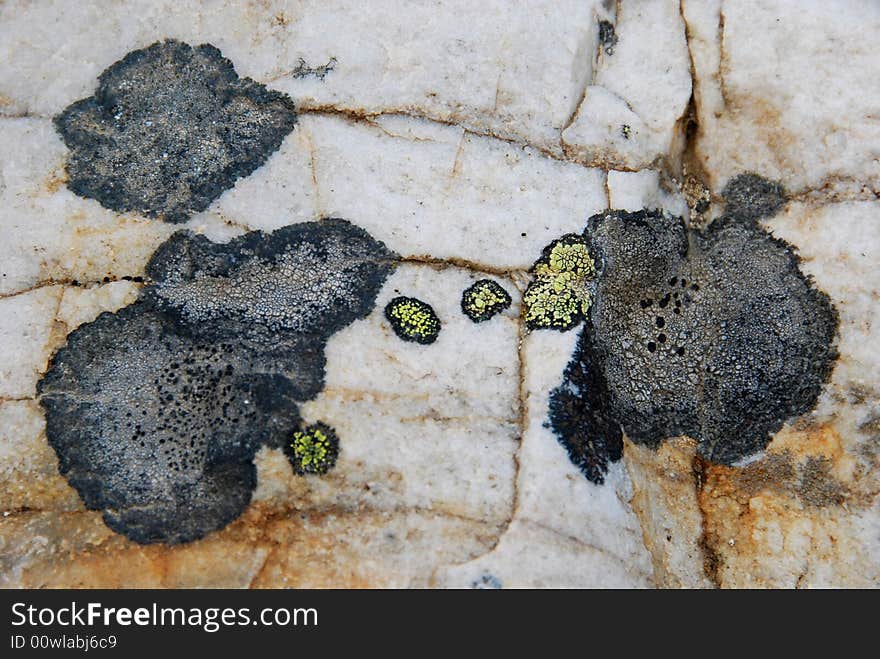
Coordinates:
712 334
169 128
484 299
413 320
561 292
313 450
156 411
466 147
751 197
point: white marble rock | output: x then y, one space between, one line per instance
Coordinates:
466 136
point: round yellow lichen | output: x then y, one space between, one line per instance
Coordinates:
413 320
314 449
484 299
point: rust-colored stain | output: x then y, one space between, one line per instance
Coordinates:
776 506
268 546
56 180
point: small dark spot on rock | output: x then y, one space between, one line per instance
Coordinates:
320 72
487 582
607 36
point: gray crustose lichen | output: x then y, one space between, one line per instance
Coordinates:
156 411
714 334
169 128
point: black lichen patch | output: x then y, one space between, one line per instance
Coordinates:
413 320
607 36
751 197
169 128
313 450
156 411
713 334
303 70
483 300
582 417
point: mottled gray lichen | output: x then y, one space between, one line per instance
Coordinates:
750 197
169 128
156 411
713 334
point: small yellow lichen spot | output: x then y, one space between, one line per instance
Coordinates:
314 449
413 320
484 299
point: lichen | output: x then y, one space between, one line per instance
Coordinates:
750 197
714 334
560 295
169 128
313 450
607 36
484 299
156 411
413 320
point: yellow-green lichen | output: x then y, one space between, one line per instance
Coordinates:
313 450
413 320
572 257
484 299
559 296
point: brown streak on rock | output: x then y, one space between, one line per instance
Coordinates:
456 163
712 560
722 60
441 264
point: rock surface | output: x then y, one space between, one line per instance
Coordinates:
466 137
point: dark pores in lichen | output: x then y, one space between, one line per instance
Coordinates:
156 411
715 334
169 128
